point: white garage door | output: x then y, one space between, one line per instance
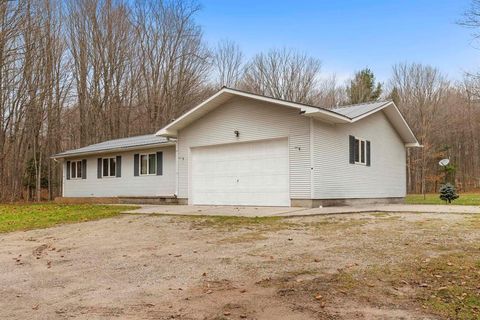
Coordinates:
254 173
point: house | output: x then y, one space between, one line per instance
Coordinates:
239 148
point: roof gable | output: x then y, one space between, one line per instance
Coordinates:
340 115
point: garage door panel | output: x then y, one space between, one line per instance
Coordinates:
241 174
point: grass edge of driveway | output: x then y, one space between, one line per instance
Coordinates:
23 217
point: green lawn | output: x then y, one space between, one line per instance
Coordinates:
34 216
471 199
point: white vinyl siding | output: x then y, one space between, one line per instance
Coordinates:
127 184
254 121
336 178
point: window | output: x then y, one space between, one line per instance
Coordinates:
148 164
360 151
109 167
76 169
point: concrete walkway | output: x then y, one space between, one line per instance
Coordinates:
295 211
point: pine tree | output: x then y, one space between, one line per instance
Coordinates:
448 193
362 87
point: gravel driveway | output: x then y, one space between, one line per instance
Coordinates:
164 267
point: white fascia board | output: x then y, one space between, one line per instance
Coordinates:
391 104
413 145
165 130
171 129
413 138
327 116
114 150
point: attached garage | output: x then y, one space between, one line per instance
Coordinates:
239 148
244 173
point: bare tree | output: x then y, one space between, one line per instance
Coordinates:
283 74
329 94
174 61
102 45
228 64
471 18
421 91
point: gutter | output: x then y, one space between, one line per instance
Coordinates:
414 145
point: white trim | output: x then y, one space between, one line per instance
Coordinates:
360 151
76 170
108 169
148 164
388 104
171 130
312 160
405 123
166 131
413 145
114 150
176 169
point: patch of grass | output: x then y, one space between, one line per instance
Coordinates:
446 285
245 237
453 282
380 214
472 221
336 223
471 199
231 223
35 216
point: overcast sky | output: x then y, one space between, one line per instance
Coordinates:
349 35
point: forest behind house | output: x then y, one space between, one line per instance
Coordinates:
73 73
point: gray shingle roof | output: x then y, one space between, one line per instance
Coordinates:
356 110
124 143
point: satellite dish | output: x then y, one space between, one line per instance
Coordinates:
444 162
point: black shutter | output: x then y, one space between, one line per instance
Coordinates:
119 166
99 168
68 170
368 153
352 149
159 163
84 169
136 158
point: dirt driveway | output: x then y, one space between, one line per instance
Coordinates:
359 266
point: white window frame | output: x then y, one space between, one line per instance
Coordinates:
108 169
361 151
75 164
148 164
